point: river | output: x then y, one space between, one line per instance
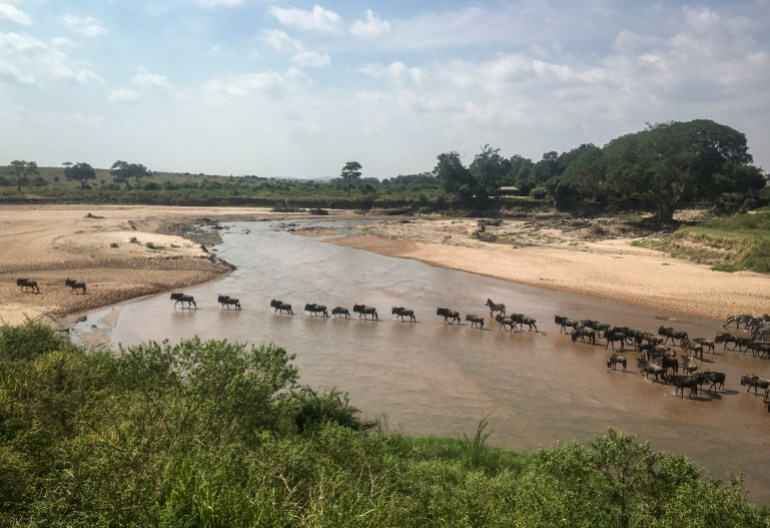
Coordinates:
535 388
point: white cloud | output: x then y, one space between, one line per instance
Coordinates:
311 58
221 90
14 14
143 77
371 27
395 72
85 26
319 19
278 40
27 60
62 42
124 95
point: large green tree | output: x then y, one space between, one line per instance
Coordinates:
21 170
455 177
489 169
80 172
123 172
669 164
351 173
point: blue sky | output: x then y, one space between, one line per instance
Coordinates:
298 89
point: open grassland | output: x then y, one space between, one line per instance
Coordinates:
734 243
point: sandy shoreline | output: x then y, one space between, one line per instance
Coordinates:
126 252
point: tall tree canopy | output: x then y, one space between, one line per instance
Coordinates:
672 163
81 172
21 170
455 177
122 172
351 173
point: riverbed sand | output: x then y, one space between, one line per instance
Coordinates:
125 252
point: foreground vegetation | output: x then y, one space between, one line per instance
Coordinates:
222 434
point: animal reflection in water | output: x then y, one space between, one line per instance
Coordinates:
75 285
365 311
316 309
187 300
281 306
226 300
343 312
27 285
401 313
450 316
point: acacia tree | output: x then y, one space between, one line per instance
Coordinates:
122 172
351 173
81 172
21 170
669 164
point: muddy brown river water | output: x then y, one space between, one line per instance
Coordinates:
536 389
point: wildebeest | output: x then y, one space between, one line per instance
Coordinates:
475 320
75 285
716 379
26 284
752 380
522 320
226 300
505 321
614 336
646 367
450 316
565 323
184 299
686 382
316 309
339 310
365 311
495 307
707 344
585 333
401 313
615 360
670 363
281 306
669 333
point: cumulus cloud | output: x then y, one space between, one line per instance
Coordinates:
86 26
311 58
143 77
27 60
279 40
319 19
221 89
14 14
396 72
124 95
371 27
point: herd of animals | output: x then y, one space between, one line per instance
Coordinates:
657 352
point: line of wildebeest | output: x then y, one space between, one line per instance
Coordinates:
656 357
660 360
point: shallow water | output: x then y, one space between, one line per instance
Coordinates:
431 378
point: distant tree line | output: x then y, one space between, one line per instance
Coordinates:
660 169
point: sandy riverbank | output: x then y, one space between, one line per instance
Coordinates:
125 252
120 252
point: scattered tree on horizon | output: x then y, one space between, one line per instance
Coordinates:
351 173
122 172
81 172
21 170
